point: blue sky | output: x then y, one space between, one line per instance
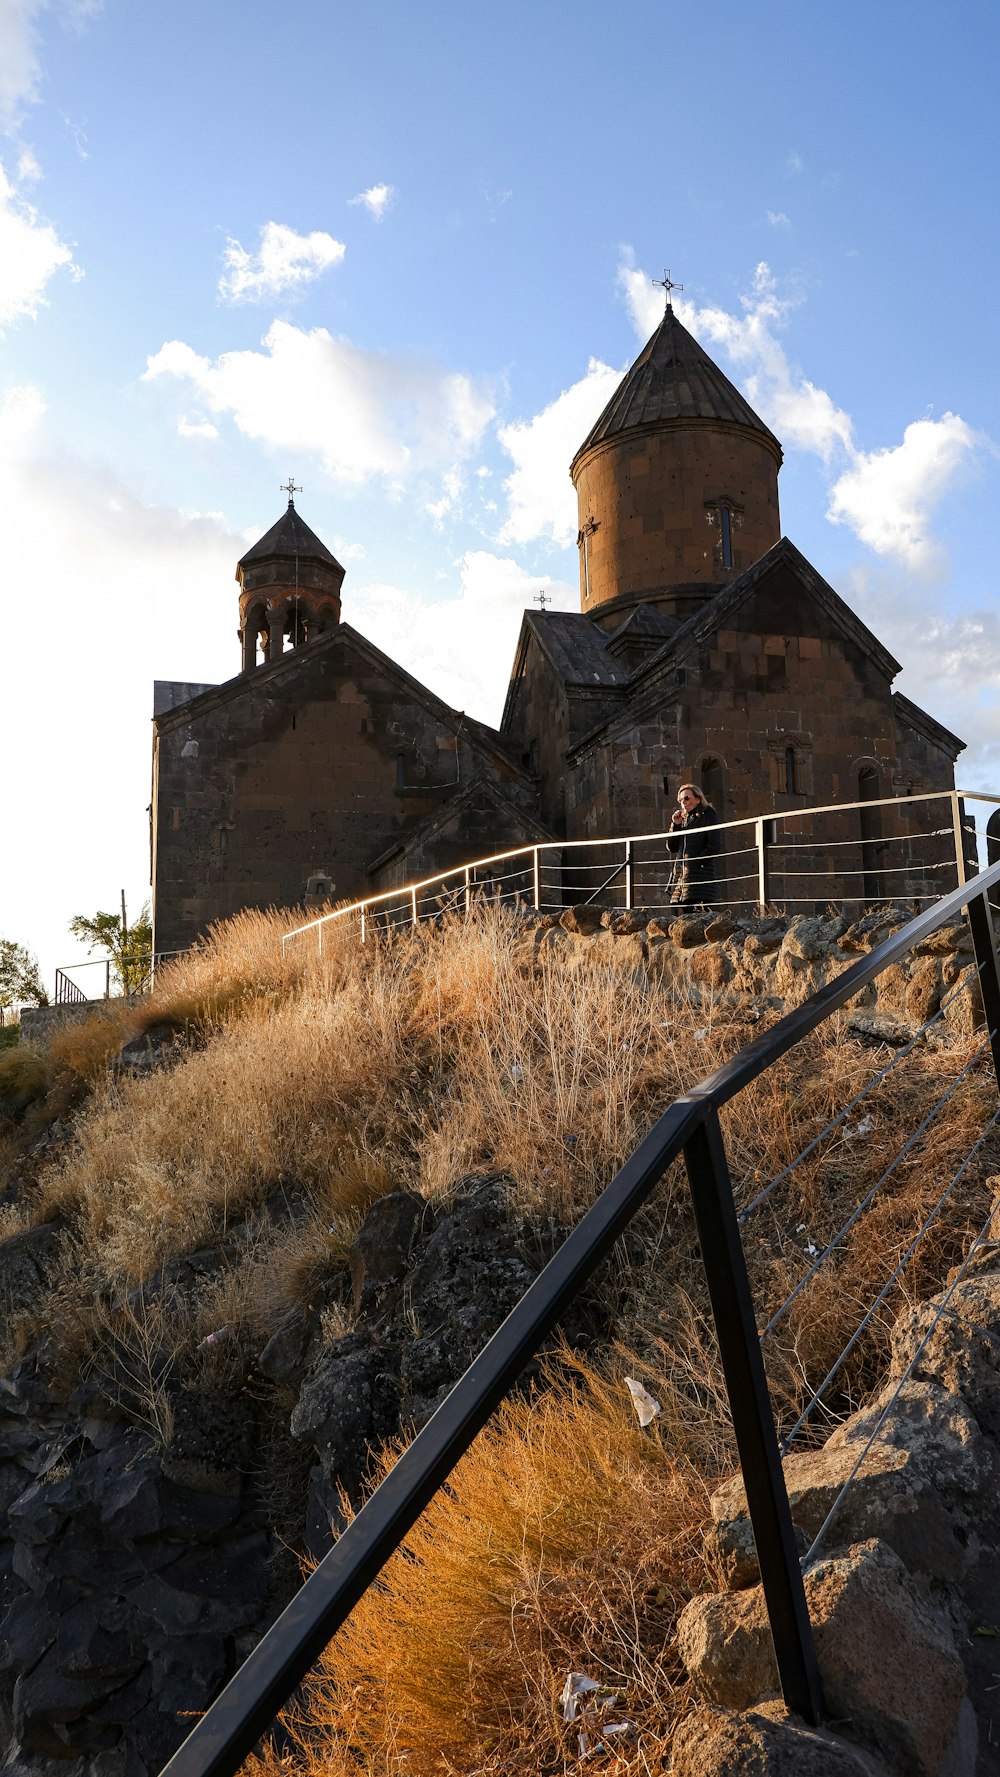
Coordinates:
404 253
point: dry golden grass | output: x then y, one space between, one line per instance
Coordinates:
568 1539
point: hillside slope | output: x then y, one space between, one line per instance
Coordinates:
254 1230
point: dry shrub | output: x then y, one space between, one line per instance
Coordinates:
568 1540
236 962
82 1051
24 1078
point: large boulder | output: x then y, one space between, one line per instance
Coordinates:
960 1345
939 1434
888 1663
766 1742
891 1497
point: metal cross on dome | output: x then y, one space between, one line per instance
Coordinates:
290 487
666 283
542 598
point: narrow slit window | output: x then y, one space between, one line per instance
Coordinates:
791 785
726 522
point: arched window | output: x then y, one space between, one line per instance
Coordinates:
872 881
791 772
256 636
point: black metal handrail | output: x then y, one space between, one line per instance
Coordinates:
690 1126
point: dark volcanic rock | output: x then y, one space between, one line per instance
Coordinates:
381 1252
209 1443
350 1402
27 1261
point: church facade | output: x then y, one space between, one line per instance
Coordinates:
706 648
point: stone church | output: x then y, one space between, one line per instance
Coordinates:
705 647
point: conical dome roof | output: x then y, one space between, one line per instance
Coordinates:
290 536
673 378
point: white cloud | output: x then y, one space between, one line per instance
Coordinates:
541 503
952 660
196 428
376 200
461 645
778 219
19 67
284 261
452 485
885 496
97 649
30 255
28 168
363 414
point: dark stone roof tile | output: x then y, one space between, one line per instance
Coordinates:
290 536
673 378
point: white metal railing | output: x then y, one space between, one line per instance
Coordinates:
68 991
774 863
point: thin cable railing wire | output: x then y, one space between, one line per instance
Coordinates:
897 1391
887 1286
866 870
810 900
856 1213
843 1115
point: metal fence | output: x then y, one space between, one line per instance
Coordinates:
98 986
689 1129
910 849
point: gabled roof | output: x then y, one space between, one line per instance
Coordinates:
576 649
479 789
576 646
647 624
673 378
487 739
925 724
719 611
290 536
726 603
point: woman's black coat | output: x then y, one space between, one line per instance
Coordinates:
695 848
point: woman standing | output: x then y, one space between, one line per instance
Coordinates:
695 847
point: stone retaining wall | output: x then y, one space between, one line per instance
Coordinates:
776 961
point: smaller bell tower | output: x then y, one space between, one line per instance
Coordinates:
289 589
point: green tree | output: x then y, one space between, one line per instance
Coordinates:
20 981
129 946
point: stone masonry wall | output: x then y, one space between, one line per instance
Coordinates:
314 765
650 494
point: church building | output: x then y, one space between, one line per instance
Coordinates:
706 648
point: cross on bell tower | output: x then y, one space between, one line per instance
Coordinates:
667 285
290 487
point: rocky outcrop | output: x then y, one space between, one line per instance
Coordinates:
908 1566
139 1563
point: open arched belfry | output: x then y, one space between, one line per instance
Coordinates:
705 647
